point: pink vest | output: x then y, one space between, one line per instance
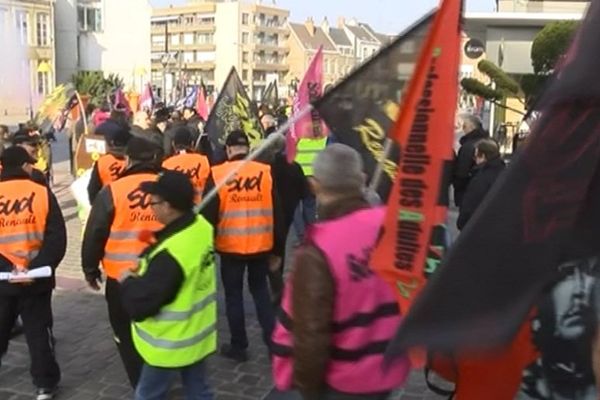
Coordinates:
366 314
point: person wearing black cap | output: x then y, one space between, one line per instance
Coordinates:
119 214
185 160
249 232
32 235
171 297
110 165
30 141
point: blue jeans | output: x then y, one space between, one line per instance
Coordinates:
306 214
155 382
232 274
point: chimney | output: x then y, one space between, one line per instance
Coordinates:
310 26
341 22
325 25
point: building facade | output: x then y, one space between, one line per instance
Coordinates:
202 40
27 72
542 6
103 35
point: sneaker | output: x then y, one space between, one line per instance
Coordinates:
228 351
45 394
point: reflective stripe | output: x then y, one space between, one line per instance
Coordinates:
262 212
309 151
255 230
120 257
20 237
122 235
185 315
29 255
175 344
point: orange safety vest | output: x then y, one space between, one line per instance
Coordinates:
133 215
23 211
194 165
109 168
246 208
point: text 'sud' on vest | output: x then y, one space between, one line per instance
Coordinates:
24 208
246 209
133 214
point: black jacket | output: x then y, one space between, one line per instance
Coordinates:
144 296
483 179
53 248
99 224
464 163
291 177
212 214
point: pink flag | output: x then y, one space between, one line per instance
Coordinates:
310 125
147 102
201 104
121 102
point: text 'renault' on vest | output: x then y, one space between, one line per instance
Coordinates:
23 213
246 209
133 214
366 315
185 330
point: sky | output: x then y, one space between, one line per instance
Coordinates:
385 16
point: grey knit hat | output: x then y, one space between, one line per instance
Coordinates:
339 169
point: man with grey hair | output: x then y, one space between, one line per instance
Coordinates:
464 162
332 284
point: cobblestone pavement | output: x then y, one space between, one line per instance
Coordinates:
91 368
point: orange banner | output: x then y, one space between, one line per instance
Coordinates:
425 131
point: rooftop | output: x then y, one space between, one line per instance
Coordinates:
312 42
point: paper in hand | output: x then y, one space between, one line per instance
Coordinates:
42 272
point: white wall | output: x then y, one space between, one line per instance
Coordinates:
228 39
123 47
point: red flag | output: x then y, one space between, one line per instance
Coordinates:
201 104
310 125
425 132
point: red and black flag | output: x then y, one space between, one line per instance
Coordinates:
409 249
542 213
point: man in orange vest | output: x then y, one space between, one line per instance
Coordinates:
110 165
32 235
249 233
185 160
114 236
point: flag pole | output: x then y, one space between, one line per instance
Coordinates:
387 150
274 137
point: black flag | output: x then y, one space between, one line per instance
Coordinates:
543 212
271 97
361 110
233 110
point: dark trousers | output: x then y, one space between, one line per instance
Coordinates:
121 326
36 313
232 274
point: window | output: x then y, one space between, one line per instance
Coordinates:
408 47
89 17
43 27
189 20
188 57
206 56
158 40
326 66
205 38
43 77
175 39
245 19
245 37
245 57
244 74
22 18
188 38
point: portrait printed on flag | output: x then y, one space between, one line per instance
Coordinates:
562 331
